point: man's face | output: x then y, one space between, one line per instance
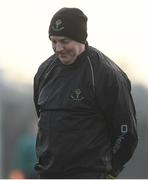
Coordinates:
66 49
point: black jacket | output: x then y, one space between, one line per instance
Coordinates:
87 120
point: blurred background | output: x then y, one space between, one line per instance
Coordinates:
118 28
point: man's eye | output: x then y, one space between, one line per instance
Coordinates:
66 41
53 42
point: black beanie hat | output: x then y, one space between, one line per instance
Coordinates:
71 23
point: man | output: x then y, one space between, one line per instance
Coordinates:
87 121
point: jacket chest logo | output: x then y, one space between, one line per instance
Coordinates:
76 95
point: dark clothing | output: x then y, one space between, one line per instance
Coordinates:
75 174
87 121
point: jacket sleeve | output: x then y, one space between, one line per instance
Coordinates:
119 109
35 93
38 81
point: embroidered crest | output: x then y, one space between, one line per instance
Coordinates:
58 26
77 95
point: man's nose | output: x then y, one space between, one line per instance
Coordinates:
58 47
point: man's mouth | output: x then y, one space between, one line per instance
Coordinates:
62 55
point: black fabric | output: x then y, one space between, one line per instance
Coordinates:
79 128
71 23
75 174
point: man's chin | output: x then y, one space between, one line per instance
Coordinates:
64 60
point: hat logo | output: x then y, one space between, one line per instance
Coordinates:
58 25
